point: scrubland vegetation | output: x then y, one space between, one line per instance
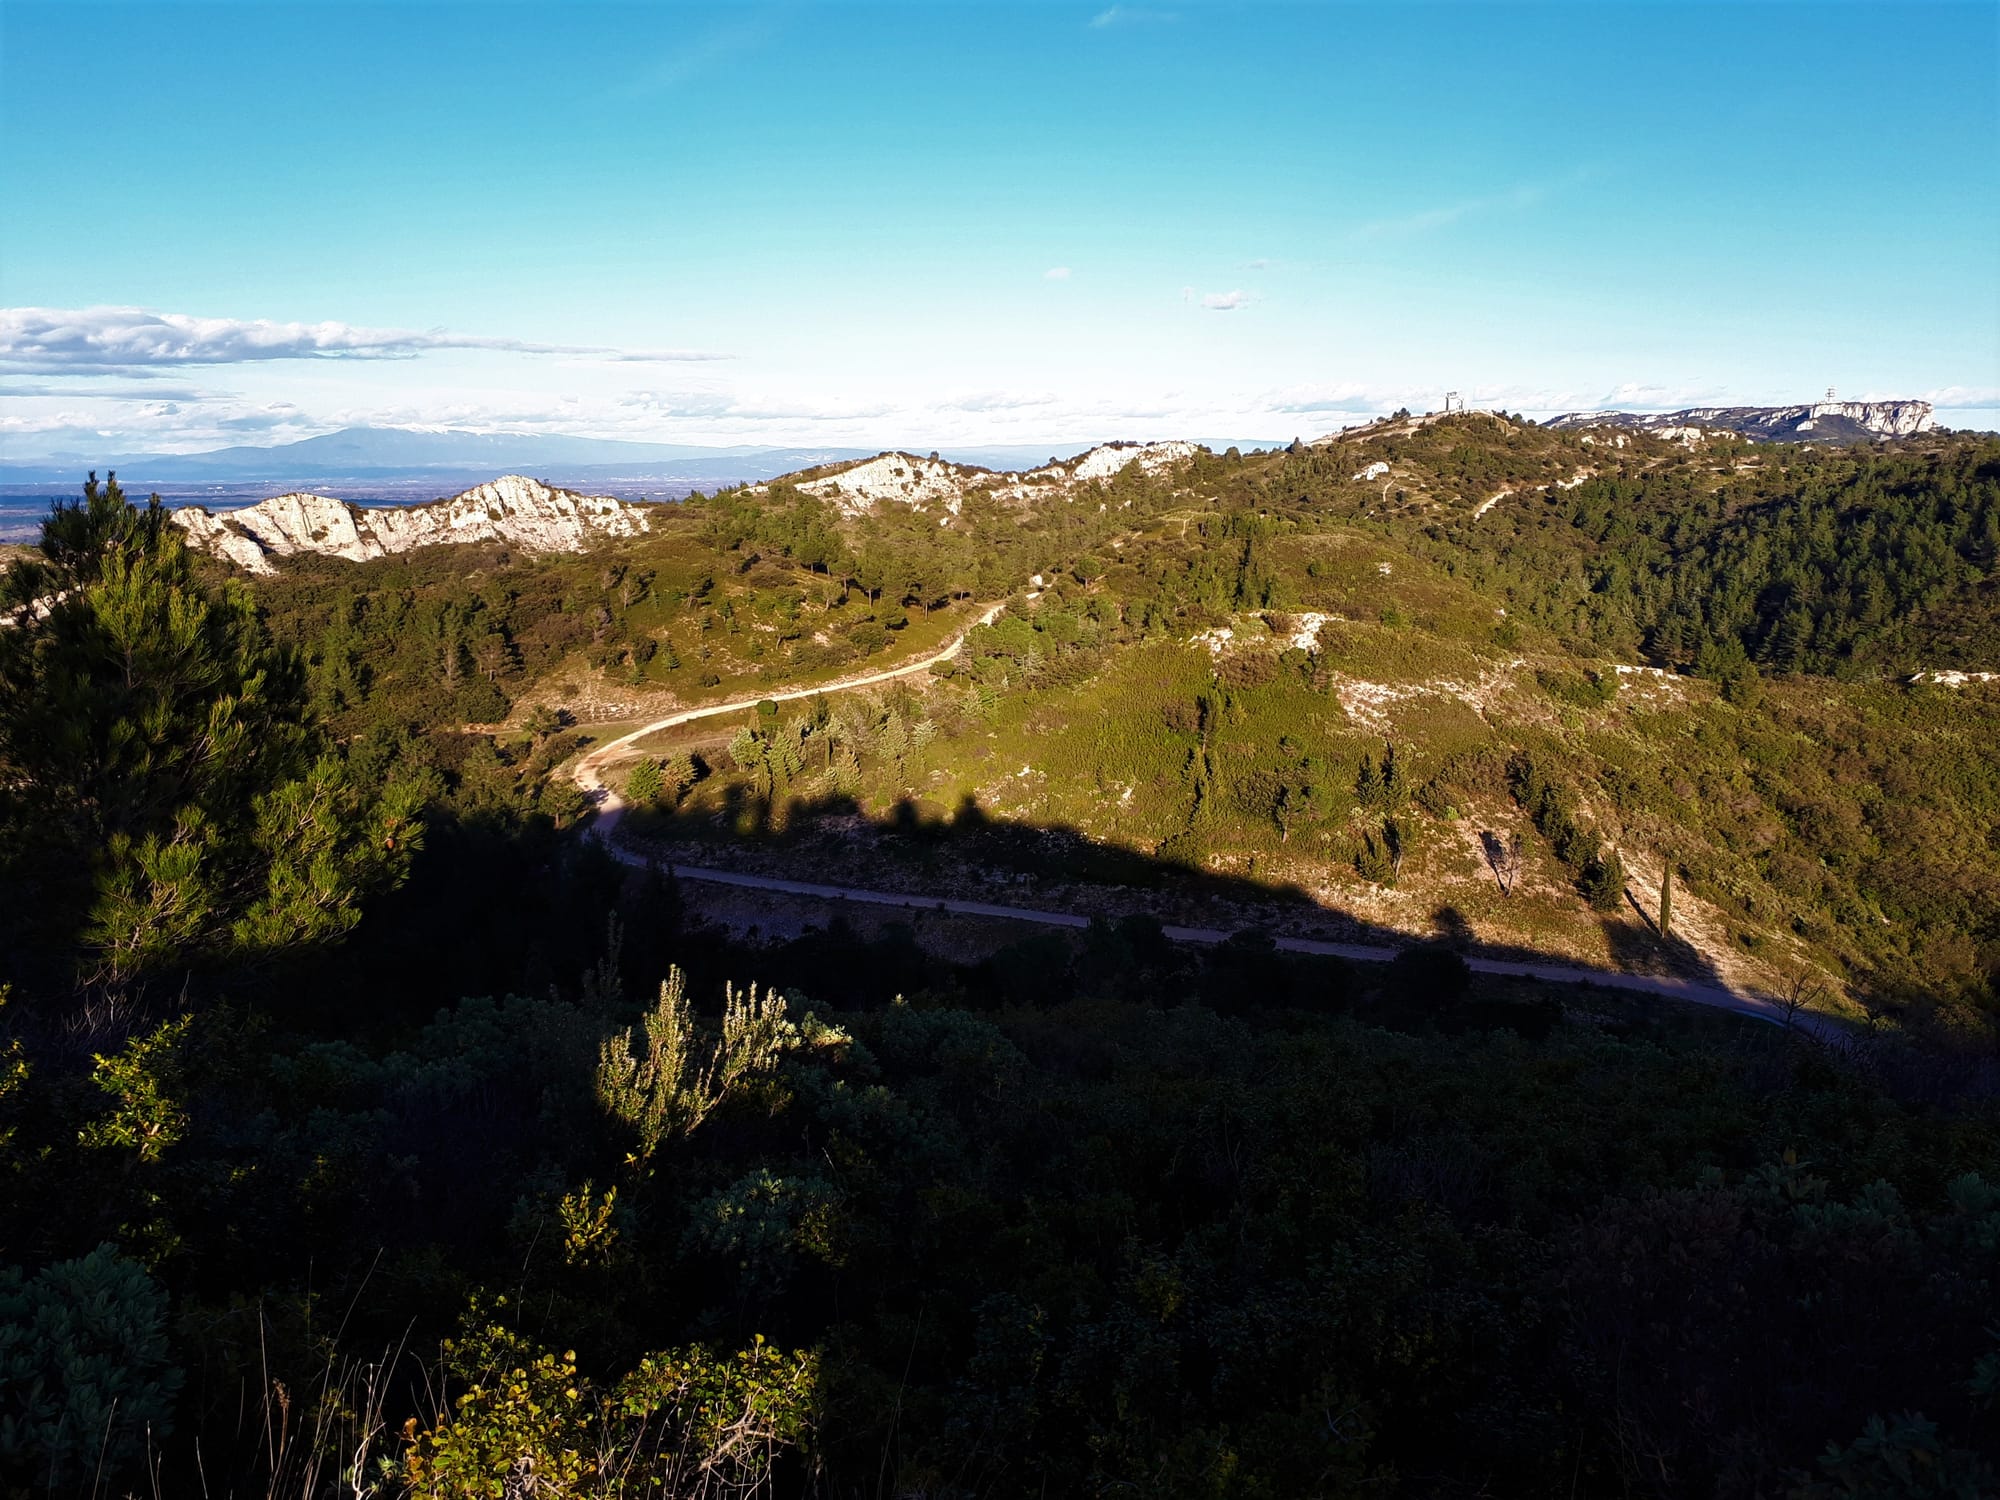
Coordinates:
366 1131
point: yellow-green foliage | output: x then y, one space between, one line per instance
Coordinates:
13 1080
522 1425
147 1089
695 1421
589 1235
684 1422
662 1086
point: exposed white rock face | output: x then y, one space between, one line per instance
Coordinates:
1888 418
1830 421
899 477
1374 471
522 512
903 479
1945 677
1152 458
1306 636
1216 638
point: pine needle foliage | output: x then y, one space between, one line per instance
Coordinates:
166 798
662 1078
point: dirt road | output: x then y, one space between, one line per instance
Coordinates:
588 772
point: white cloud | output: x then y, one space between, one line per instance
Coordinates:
1129 15
130 339
1226 301
1056 273
12 390
1002 401
1342 399
1959 397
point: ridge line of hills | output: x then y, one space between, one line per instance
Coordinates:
1368 691
385 453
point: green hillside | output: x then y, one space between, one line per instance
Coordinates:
1217 656
367 1130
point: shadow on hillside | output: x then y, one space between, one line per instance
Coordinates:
965 854
1642 944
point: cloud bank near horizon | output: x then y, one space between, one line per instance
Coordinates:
95 379
130 340
196 422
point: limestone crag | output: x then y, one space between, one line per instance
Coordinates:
1152 458
521 512
897 477
904 479
1822 421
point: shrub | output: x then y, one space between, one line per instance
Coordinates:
868 635
1579 689
643 787
84 1373
1603 881
1375 860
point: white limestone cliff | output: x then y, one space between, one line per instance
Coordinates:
521 512
1834 421
1152 458
896 477
904 479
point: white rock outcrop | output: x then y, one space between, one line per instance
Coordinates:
1948 677
1832 421
1305 634
521 512
898 477
904 479
1152 458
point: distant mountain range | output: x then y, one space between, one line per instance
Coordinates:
378 455
1819 422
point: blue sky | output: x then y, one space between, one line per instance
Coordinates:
942 224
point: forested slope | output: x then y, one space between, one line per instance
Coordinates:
365 1131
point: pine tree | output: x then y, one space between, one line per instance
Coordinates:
1368 782
166 800
642 787
1667 901
1603 880
677 775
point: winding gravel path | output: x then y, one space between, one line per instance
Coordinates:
1610 979
588 772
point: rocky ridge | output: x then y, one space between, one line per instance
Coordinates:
1819 422
904 479
522 512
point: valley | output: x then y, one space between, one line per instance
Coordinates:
1214 665
1114 702
871 897
1021 751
